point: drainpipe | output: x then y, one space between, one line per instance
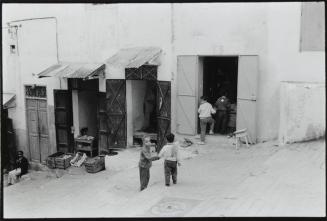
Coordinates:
173 70
41 18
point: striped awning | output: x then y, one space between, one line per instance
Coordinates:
74 70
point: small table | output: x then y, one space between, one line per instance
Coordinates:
84 144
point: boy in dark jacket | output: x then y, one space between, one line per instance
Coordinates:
146 162
222 104
21 168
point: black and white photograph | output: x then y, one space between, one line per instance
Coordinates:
173 109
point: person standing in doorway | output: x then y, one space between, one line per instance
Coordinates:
149 107
231 126
171 155
222 104
145 163
205 110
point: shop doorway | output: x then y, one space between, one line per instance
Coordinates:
76 113
220 76
196 77
141 108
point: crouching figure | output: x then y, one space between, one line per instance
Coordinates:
21 168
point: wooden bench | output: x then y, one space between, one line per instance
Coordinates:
241 134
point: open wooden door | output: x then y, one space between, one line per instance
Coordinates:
116 112
102 123
163 112
247 94
63 120
187 89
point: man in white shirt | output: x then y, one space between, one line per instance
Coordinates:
171 155
205 110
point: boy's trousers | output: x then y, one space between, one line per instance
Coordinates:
144 177
203 126
170 170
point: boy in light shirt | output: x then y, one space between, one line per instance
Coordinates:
171 155
205 110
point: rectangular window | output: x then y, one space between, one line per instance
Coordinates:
312 26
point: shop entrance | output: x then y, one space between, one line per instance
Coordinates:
210 76
141 108
220 79
76 113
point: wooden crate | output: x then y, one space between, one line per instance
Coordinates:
51 160
63 163
94 165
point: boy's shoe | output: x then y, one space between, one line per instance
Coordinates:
168 184
211 133
201 143
174 182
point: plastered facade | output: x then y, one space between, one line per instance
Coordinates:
96 32
300 117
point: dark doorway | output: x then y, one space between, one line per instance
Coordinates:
219 77
143 109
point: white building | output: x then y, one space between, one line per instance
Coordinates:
180 46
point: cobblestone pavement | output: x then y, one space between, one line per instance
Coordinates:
214 180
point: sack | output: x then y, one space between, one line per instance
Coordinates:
106 162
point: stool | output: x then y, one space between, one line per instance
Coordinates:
239 134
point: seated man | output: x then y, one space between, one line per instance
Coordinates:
21 168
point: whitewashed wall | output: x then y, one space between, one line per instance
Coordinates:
93 33
302 112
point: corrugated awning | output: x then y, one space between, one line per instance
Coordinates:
74 70
8 100
134 57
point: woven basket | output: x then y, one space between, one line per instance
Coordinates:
94 165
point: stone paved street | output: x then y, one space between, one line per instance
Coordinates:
214 180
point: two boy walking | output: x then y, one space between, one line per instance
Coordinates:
171 157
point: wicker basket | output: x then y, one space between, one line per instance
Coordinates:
51 160
94 165
62 162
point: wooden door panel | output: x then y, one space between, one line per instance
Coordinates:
63 120
61 117
43 123
116 113
37 123
163 112
44 147
117 131
246 95
31 104
34 147
187 74
32 121
102 124
43 129
33 130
